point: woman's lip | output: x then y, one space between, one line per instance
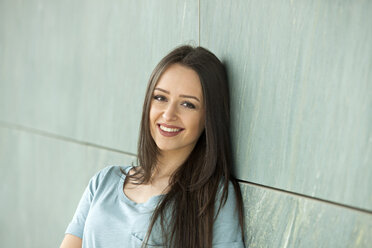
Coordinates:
168 134
169 126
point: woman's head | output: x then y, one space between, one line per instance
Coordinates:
199 65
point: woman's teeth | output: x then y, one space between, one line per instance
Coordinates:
169 129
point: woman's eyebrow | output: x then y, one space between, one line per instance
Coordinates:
186 96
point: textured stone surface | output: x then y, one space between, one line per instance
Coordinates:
80 68
276 219
301 86
41 182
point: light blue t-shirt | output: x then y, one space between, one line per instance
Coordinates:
107 218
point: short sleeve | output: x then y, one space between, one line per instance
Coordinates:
76 226
226 229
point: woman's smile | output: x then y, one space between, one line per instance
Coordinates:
169 131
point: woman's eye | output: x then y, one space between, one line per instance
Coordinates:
159 98
188 105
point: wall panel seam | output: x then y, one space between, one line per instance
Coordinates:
305 196
60 137
199 22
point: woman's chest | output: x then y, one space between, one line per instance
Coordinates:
112 223
141 193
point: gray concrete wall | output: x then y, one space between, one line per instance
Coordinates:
73 77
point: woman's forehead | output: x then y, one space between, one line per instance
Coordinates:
178 79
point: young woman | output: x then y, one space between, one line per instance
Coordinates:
181 194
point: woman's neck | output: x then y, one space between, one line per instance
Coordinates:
168 163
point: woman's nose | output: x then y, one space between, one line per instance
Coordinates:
170 112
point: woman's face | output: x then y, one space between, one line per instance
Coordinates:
177 110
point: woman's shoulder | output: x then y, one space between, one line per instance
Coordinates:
227 225
226 206
109 173
113 168
227 186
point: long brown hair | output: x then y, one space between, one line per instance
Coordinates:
190 201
